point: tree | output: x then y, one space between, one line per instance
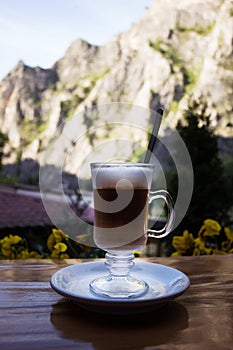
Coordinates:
211 195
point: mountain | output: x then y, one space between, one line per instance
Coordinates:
178 51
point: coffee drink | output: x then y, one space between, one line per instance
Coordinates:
120 208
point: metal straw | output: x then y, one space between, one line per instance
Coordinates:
153 136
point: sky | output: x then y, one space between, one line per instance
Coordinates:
39 32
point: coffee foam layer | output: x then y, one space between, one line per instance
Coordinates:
122 177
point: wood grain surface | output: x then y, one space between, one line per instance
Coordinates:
33 316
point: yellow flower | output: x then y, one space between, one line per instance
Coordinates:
199 243
183 243
228 233
8 253
210 228
58 235
23 254
34 255
227 246
58 252
51 242
200 247
64 256
8 244
55 254
209 240
15 239
11 240
55 237
196 252
60 247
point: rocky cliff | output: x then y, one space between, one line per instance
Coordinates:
179 50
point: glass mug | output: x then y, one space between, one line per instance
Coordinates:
121 199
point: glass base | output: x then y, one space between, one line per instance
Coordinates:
119 283
119 287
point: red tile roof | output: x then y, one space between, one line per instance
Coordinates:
25 209
17 209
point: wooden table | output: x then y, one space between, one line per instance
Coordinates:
33 316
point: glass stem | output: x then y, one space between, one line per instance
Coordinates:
119 265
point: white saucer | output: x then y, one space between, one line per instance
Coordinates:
165 283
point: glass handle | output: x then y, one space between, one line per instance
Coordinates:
162 194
